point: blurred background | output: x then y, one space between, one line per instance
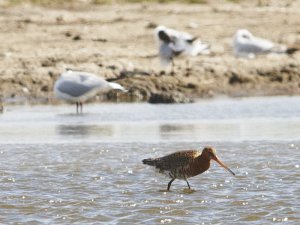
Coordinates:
114 39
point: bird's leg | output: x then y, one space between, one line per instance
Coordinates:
169 184
188 183
173 66
80 103
77 107
187 67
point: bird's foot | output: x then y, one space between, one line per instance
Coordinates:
166 190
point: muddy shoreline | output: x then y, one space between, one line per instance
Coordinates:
116 42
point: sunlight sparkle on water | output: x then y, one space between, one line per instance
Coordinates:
89 170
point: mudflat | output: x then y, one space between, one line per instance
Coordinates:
116 41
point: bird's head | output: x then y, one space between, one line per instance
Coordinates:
211 153
163 36
243 34
158 29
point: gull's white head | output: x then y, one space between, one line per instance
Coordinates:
241 38
243 34
159 28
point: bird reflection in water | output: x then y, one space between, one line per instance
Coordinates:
84 130
171 130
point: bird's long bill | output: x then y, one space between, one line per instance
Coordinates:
223 165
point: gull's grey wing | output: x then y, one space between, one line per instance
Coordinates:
256 46
78 84
191 40
74 89
250 48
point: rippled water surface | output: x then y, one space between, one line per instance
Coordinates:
57 167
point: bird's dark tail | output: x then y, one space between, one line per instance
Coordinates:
150 161
190 41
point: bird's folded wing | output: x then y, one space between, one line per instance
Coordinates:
256 45
177 159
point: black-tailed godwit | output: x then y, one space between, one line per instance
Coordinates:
185 164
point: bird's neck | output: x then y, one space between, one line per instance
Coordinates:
202 163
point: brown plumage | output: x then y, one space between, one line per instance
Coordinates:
185 164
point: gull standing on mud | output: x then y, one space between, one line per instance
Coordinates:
246 45
185 164
172 43
77 87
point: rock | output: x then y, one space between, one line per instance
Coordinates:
49 62
175 97
191 85
238 79
151 25
77 38
100 39
45 88
68 34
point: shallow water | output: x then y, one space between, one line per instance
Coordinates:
57 167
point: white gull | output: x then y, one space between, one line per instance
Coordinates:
246 45
172 43
77 87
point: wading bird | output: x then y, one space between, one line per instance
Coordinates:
77 87
246 45
185 164
172 43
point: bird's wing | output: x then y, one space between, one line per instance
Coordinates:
255 45
176 38
184 42
189 39
197 47
179 34
79 83
73 89
176 160
178 45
